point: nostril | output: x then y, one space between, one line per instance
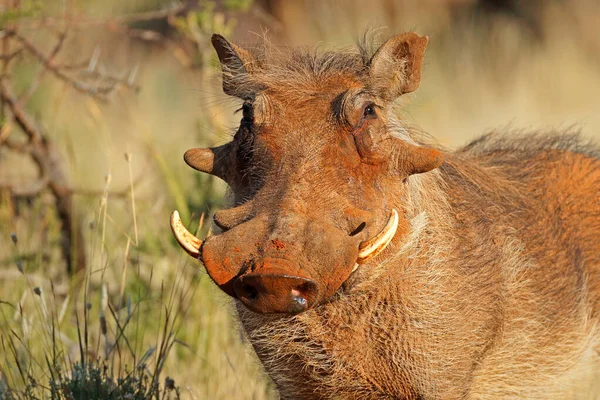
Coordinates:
276 293
358 229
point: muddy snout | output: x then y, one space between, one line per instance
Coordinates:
273 290
286 267
287 270
264 283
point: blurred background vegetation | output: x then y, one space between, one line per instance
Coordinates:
100 99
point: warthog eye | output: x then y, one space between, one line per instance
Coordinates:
369 111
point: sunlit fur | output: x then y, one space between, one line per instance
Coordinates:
492 292
475 302
295 70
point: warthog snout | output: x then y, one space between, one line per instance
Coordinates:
283 267
287 269
276 291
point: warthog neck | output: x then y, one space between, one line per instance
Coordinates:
475 291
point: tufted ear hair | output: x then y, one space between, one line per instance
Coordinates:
236 64
395 68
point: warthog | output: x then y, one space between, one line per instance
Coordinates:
366 264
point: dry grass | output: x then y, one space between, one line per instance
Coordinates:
479 75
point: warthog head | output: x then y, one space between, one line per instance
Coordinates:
310 167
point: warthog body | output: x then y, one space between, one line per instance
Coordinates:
490 287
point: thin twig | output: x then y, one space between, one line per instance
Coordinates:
22 119
74 66
119 20
23 148
44 154
5 132
119 24
10 56
99 92
24 98
48 161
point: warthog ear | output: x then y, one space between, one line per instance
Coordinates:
395 68
236 64
219 161
410 159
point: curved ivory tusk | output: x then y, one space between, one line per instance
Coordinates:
370 248
190 243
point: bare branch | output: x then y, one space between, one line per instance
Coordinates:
71 67
79 20
39 148
48 161
22 148
10 56
95 91
61 40
119 24
22 119
24 98
5 132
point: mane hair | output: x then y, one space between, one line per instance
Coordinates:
523 143
370 310
300 68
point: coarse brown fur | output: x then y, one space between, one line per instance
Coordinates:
491 287
494 296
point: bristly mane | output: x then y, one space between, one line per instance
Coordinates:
531 143
284 67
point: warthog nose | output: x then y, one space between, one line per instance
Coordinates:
269 293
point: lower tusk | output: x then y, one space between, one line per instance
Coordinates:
370 248
190 243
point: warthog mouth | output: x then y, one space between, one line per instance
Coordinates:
300 299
